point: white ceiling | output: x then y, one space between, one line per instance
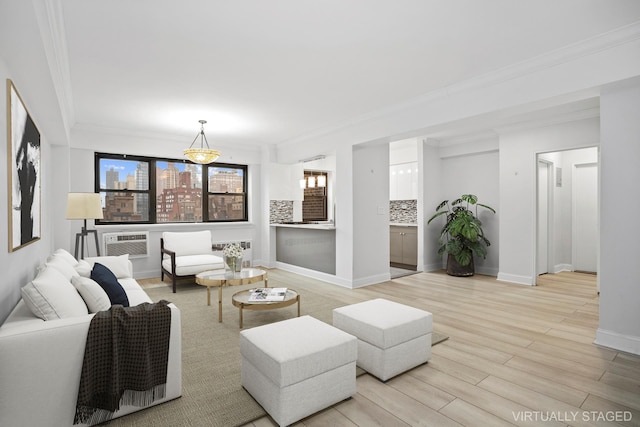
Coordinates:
271 71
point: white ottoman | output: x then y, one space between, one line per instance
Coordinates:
392 337
297 367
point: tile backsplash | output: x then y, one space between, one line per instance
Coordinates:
400 211
403 211
280 211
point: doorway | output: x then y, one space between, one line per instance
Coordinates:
567 206
585 225
545 172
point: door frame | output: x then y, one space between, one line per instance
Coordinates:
550 209
574 229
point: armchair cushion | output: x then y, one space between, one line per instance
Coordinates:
188 243
193 264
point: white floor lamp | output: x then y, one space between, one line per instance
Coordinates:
84 206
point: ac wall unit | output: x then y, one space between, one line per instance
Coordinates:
247 253
136 244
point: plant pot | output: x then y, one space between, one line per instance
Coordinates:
234 264
455 269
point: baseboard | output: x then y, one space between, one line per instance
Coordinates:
404 266
371 280
329 278
513 278
616 341
562 267
146 274
486 271
433 267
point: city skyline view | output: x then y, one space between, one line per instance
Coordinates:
178 191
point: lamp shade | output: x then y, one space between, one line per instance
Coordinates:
84 206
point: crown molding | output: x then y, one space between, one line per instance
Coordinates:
601 42
555 119
52 32
481 135
591 46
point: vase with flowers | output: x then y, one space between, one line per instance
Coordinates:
233 257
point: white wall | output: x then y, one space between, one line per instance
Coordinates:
430 188
370 214
475 174
344 219
25 64
82 180
404 151
517 208
19 267
619 205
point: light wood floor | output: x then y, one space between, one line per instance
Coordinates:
517 355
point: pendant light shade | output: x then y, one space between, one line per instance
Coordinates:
201 155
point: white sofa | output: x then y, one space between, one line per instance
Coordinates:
185 254
41 360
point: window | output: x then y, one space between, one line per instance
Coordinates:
178 192
314 205
227 198
132 193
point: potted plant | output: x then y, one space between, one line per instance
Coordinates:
233 256
462 236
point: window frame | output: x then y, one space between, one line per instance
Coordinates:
151 191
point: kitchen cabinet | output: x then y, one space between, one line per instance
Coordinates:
403 245
403 181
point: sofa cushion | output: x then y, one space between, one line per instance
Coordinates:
92 293
188 243
51 296
137 297
109 283
59 263
194 264
119 265
66 256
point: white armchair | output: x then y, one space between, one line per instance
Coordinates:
183 255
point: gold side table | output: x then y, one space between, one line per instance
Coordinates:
241 300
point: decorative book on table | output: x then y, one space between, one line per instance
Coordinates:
268 294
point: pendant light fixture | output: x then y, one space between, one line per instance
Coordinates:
201 155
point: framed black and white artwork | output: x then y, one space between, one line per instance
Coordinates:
23 141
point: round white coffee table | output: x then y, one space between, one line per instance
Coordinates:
220 278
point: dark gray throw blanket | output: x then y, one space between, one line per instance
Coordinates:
125 360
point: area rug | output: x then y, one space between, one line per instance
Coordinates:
212 394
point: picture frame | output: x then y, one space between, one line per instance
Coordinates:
24 181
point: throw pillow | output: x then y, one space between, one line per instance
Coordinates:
92 293
83 268
108 281
51 296
119 265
